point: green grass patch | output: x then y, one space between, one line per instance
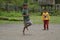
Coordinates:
13 17
35 20
53 19
10 14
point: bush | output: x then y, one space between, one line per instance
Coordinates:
10 14
57 12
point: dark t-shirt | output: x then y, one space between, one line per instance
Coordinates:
25 12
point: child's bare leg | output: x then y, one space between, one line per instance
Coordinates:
26 27
24 30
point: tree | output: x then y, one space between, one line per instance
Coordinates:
57 1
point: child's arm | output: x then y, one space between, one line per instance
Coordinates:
26 15
42 17
48 16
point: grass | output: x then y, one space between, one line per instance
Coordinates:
10 14
53 19
36 19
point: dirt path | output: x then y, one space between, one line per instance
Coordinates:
14 32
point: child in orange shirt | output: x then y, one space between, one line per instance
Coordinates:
46 18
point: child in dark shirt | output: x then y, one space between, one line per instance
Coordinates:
26 18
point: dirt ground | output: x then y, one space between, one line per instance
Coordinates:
35 32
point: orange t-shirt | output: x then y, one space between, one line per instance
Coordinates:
45 16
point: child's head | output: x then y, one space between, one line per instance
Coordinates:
25 6
45 11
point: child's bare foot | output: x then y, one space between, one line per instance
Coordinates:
23 33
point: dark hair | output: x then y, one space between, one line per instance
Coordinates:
45 10
25 4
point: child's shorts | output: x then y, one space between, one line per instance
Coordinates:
27 22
